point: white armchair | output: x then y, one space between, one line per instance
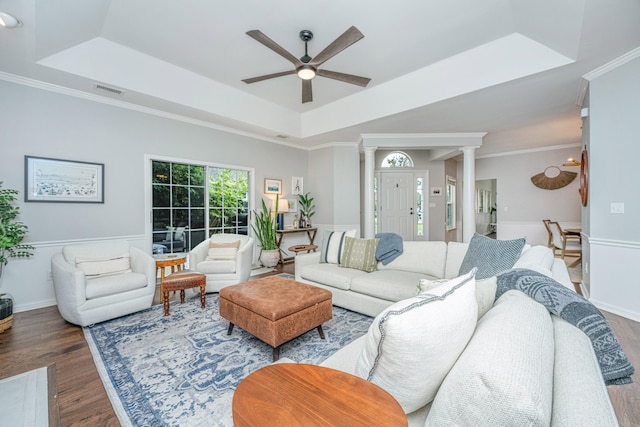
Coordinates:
227 269
95 282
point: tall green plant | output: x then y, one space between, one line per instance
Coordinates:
12 232
266 227
307 208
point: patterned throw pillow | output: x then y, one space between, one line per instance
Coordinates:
333 246
222 251
360 254
491 256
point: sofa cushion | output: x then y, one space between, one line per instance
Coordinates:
333 246
491 256
216 267
99 267
411 345
360 254
111 285
455 255
505 375
538 258
330 275
390 285
220 250
428 258
485 291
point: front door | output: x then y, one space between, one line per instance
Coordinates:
397 201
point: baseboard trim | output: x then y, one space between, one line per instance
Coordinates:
617 310
35 305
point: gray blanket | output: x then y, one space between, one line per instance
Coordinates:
563 302
389 247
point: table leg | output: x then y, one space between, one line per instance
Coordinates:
165 299
321 332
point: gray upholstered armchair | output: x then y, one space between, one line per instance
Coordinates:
95 282
224 258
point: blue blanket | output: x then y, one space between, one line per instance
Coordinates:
563 302
389 247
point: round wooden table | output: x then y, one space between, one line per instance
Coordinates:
292 394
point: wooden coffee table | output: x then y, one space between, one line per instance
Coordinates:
292 394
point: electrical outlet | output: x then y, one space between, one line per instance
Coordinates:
616 208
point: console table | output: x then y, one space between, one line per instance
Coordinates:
288 394
311 234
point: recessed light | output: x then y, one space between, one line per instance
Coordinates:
9 21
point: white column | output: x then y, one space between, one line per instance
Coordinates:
369 168
468 193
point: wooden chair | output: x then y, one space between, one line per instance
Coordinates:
550 235
567 244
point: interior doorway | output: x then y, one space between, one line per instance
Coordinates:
486 208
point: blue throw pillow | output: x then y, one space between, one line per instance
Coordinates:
490 256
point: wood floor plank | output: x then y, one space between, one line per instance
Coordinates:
41 337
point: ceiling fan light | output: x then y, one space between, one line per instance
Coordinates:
9 21
306 72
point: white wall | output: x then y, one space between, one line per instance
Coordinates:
521 205
612 143
40 123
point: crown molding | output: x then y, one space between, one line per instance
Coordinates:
604 69
530 150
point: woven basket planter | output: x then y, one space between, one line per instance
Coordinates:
6 312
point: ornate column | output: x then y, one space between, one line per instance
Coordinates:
468 193
369 168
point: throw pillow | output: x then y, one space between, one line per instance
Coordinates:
99 267
411 346
360 254
491 256
485 291
333 246
223 251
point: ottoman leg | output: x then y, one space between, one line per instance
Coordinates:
230 328
203 296
182 296
321 332
165 299
276 353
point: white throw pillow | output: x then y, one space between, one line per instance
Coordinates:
505 375
99 267
412 344
222 251
485 291
333 246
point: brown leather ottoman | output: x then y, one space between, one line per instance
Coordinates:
275 310
179 281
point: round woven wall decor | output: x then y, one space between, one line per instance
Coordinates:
546 182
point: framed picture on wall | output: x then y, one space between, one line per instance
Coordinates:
296 185
65 181
272 186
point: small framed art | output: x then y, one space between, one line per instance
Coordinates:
56 180
272 186
296 185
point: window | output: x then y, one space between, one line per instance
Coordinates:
397 159
451 203
191 202
420 206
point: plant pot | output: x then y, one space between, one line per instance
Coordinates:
270 258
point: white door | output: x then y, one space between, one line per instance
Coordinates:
396 204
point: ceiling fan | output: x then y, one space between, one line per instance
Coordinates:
307 67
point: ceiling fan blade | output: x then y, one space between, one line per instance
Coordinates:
262 38
348 38
347 78
268 76
307 95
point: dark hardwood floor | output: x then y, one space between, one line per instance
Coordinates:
40 337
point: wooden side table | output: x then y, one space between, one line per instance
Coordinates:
175 261
311 234
289 394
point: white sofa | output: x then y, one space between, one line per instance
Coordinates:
370 293
516 365
94 282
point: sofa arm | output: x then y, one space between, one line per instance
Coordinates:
143 263
244 259
198 254
305 259
69 285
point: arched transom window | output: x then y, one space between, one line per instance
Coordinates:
397 159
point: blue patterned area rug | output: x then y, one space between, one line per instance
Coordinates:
182 370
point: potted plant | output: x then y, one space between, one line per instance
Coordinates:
265 228
11 234
307 209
